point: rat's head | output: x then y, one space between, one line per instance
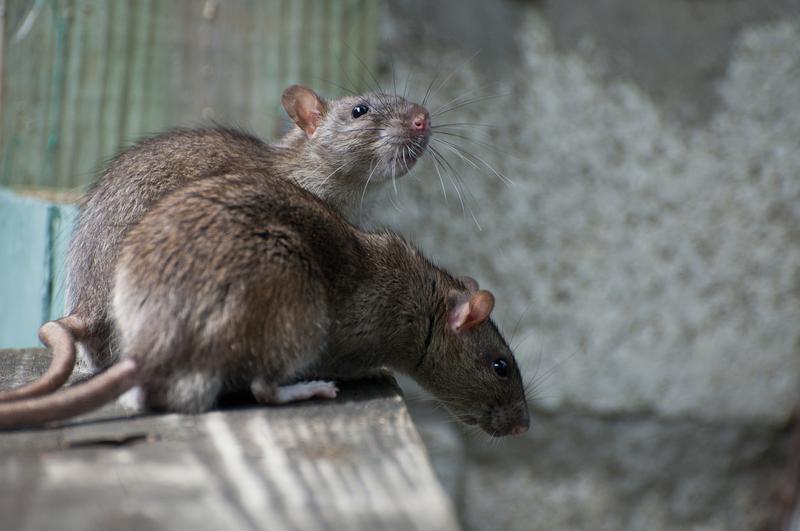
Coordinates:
372 136
470 367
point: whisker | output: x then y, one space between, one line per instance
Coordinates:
551 371
430 85
454 70
333 84
477 142
466 124
441 181
442 160
361 205
463 188
459 150
325 180
405 89
394 85
518 345
364 65
468 102
379 92
462 96
519 321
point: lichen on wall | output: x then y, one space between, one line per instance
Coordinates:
652 263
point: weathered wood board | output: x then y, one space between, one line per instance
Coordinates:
353 463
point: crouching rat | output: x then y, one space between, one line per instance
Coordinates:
250 282
337 150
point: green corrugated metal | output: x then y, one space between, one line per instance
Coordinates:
83 77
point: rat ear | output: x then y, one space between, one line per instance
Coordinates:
470 283
305 107
468 311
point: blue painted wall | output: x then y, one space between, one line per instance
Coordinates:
34 235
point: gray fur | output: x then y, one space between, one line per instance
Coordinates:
247 278
334 164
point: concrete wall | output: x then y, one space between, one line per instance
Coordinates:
646 258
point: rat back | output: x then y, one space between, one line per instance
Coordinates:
228 280
131 184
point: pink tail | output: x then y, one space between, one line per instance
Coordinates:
73 401
60 337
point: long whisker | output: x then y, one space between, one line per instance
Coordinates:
464 155
428 90
519 321
467 194
476 142
453 71
435 152
465 124
394 85
468 102
339 59
364 65
361 205
439 173
544 377
459 189
405 89
333 84
465 95
331 174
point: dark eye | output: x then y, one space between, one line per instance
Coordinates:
360 110
500 367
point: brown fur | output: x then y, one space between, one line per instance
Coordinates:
335 164
242 277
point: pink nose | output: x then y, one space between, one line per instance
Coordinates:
519 429
419 122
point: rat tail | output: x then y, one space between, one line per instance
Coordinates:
60 336
73 401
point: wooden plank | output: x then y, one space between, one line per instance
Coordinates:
353 463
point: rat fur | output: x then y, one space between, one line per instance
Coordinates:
247 281
334 152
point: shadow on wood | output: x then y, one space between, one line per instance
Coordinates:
353 463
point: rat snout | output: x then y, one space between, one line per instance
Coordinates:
522 426
510 419
420 119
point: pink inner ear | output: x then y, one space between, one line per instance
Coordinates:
480 306
470 312
305 107
308 120
459 312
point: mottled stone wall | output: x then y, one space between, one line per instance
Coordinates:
646 256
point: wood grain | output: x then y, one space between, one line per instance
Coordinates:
353 463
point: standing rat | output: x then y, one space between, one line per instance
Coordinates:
338 148
248 281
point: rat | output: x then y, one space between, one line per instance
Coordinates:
337 150
249 282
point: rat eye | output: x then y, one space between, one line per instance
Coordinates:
500 367
360 110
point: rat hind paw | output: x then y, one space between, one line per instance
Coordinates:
293 393
305 391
